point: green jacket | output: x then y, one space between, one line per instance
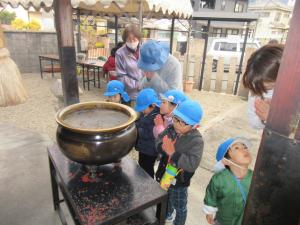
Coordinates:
224 193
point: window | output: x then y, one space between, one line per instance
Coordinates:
217 45
209 4
193 3
229 47
232 31
286 15
217 32
278 17
223 4
239 7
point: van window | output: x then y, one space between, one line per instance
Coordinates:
225 46
217 45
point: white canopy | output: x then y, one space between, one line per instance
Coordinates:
151 8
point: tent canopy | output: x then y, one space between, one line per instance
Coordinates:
150 8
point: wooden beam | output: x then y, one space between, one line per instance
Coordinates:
66 48
274 197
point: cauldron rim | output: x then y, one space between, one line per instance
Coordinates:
107 105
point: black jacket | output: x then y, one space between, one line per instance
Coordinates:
145 141
187 156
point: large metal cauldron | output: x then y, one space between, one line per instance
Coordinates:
96 146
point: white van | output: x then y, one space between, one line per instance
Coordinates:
228 48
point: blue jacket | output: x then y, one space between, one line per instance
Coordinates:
145 141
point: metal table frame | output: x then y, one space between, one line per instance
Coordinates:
58 184
86 68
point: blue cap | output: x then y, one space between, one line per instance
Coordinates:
190 112
174 96
153 55
116 87
225 146
145 98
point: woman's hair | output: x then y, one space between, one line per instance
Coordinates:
115 49
262 66
131 29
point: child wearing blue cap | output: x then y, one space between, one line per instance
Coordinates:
115 91
180 145
147 103
170 100
227 191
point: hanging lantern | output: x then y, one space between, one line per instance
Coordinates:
12 91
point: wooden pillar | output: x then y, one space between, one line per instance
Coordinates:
241 59
66 48
172 35
116 30
204 54
219 75
78 31
140 15
274 197
207 73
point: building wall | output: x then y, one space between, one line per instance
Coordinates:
267 26
220 29
228 7
25 48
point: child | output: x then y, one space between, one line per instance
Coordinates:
170 100
227 191
115 91
147 103
181 145
259 77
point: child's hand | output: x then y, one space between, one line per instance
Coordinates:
168 145
158 120
210 219
262 108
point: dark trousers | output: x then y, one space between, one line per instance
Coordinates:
177 200
147 163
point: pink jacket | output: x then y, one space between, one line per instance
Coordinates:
158 129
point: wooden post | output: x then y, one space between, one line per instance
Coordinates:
197 70
231 75
116 30
204 55
66 48
241 59
219 76
274 197
78 31
242 91
172 35
207 73
140 15
191 69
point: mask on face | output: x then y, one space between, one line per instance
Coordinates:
234 164
132 45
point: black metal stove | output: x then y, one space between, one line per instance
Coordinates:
107 194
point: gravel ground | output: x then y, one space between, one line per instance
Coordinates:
39 111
